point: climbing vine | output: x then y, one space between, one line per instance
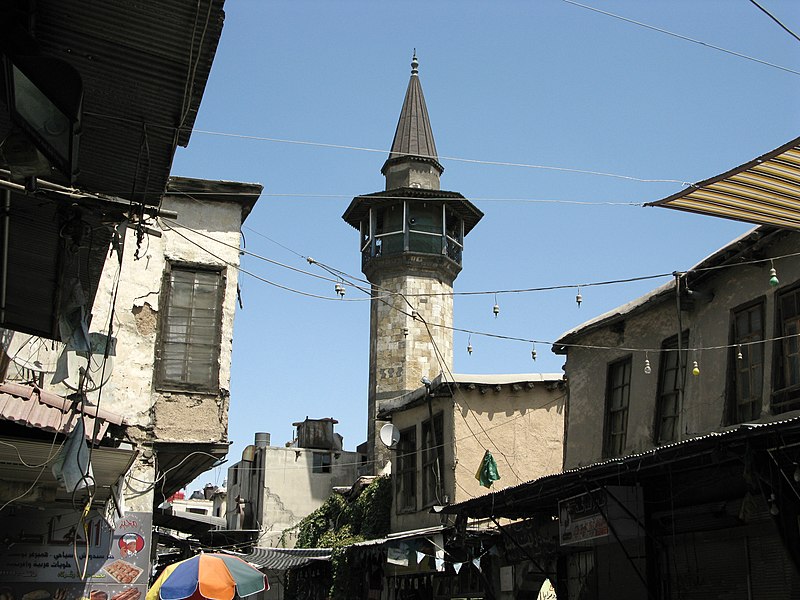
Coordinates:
338 523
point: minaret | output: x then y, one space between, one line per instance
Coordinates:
412 239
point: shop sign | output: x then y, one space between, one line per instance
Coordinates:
581 518
38 557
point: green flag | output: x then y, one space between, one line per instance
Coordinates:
487 471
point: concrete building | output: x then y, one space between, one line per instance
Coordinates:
273 487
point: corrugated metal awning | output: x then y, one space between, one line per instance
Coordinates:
30 406
28 463
765 190
281 559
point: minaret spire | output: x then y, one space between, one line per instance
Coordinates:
413 160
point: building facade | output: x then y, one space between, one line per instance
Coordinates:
681 443
274 487
152 385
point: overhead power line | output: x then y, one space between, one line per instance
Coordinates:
683 37
774 18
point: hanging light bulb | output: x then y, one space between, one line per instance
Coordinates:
339 289
773 275
469 345
739 355
695 369
579 298
533 352
496 307
773 505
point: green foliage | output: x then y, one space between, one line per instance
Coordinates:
337 524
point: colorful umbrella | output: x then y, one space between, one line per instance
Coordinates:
208 577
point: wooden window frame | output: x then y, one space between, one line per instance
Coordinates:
321 462
669 352
161 381
626 363
432 450
785 396
752 355
406 475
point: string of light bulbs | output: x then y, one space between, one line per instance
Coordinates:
352 281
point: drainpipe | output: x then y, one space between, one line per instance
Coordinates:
4 264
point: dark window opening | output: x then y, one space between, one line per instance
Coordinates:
746 364
670 385
322 462
618 392
406 476
786 391
432 460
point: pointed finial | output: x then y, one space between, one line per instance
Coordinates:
414 63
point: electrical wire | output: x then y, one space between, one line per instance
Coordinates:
388 293
774 18
682 37
475 161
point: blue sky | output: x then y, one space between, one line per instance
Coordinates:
545 83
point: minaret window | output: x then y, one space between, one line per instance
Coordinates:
454 230
389 230
425 228
412 226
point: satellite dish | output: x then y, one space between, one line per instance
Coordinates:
390 435
91 367
31 352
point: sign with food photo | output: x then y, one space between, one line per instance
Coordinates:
56 555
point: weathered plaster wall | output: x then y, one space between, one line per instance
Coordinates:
152 415
521 426
709 326
283 489
130 390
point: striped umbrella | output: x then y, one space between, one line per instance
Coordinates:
208 577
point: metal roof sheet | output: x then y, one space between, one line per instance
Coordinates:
360 205
281 559
515 501
144 67
28 461
765 190
413 137
28 405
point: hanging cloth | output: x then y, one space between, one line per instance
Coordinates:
487 471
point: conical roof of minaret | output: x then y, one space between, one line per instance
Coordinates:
413 139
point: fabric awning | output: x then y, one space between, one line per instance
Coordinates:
765 190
